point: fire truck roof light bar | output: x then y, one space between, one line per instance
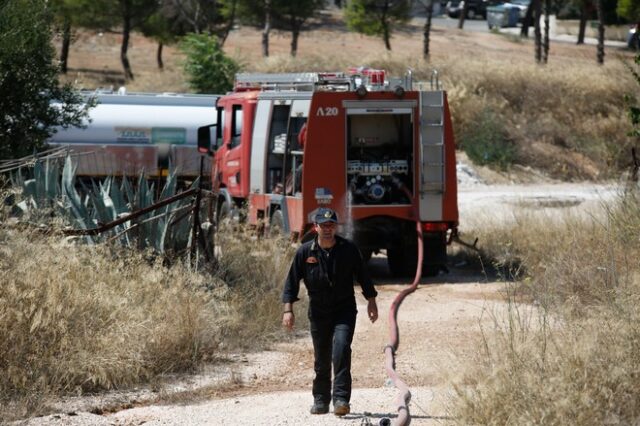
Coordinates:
308 81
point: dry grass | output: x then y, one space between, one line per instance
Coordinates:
254 270
576 359
563 118
77 318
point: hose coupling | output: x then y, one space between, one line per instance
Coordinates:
393 349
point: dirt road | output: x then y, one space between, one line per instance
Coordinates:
439 329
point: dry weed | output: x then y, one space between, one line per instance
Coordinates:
79 318
565 118
255 269
577 359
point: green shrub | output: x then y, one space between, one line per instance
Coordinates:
208 69
487 142
29 81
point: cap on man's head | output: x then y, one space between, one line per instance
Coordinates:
324 215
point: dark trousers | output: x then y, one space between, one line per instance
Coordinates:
332 334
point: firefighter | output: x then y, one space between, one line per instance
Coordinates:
329 265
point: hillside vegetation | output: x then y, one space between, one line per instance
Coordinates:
567 118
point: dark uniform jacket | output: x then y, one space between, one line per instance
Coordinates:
329 276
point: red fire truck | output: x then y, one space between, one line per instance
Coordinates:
372 148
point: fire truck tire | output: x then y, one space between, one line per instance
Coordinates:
224 216
276 225
435 254
402 260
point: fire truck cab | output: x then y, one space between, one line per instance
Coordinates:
374 149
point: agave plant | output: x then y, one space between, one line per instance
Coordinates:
87 206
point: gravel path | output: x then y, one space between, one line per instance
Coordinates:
438 326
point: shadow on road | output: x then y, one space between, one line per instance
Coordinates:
460 272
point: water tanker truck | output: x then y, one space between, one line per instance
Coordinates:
130 133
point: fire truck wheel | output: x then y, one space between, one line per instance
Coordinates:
435 254
276 225
402 261
224 216
430 270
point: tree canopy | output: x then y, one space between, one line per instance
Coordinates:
208 69
629 9
29 80
377 17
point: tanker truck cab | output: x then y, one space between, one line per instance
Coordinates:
231 166
378 152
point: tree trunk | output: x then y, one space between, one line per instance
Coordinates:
384 21
159 56
427 30
536 26
66 42
295 33
463 14
267 28
527 21
230 22
386 36
545 44
583 23
599 9
126 33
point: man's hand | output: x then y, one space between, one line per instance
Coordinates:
288 320
372 309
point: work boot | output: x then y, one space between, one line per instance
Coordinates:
340 408
319 407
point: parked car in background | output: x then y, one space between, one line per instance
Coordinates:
507 14
632 38
476 8
522 6
502 16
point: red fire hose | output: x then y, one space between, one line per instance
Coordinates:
404 395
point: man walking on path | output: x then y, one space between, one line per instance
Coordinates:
329 266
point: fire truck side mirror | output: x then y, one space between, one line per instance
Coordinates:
204 139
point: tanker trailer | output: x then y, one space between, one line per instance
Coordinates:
127 134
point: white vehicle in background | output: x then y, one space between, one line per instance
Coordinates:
522 6
632 38
508 14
